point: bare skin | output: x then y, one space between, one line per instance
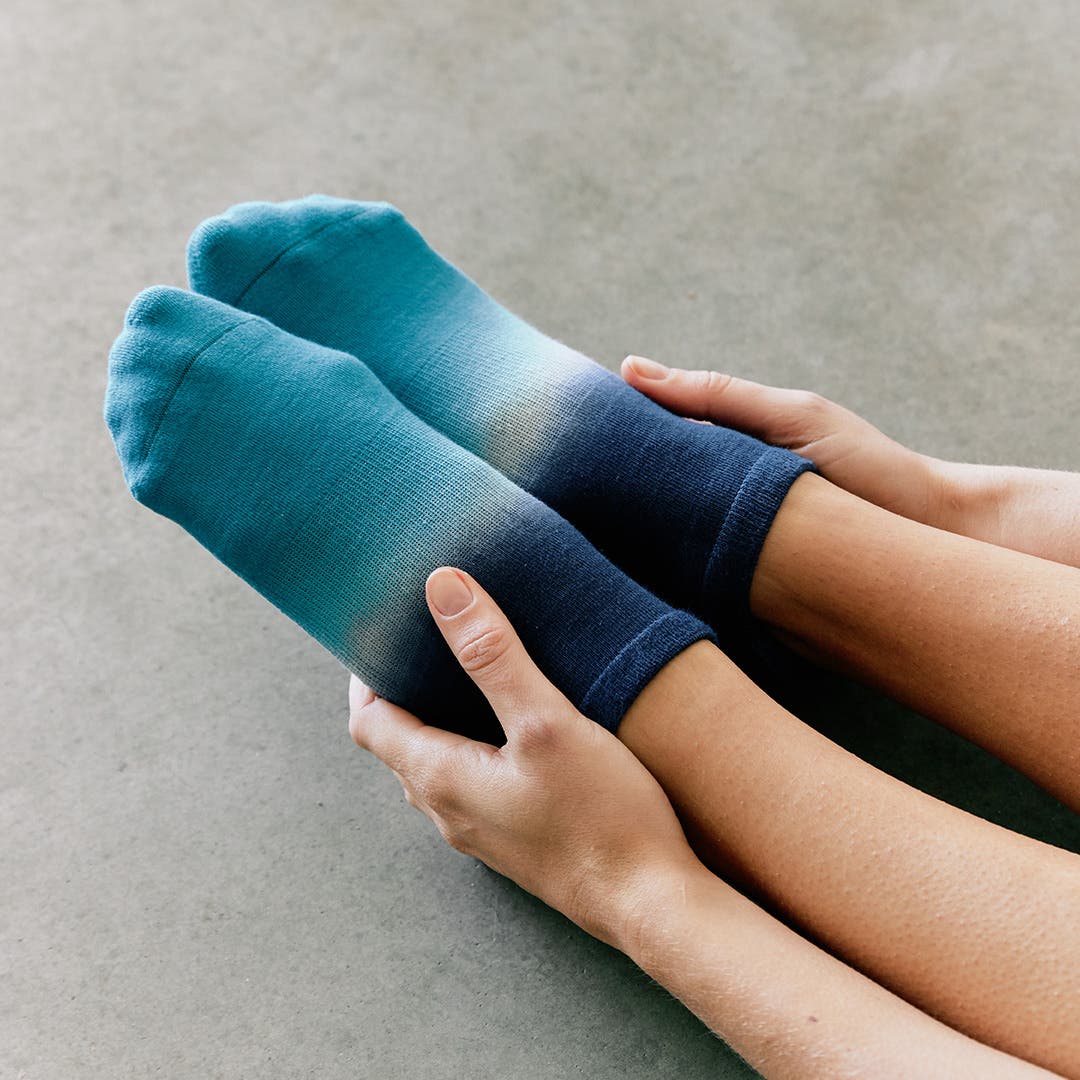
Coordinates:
982 638
972 923
570 814
932 902
1036 511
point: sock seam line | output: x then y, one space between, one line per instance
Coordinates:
180 382
290 247
626 648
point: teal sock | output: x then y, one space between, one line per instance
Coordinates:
683 508
298 469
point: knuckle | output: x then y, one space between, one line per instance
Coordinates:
538 732
461 836
435 781
811 404
422 782
443 801
484 652
809 419
716 384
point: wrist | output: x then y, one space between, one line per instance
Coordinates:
968 499
662 898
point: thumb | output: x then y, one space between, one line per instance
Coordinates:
788 418
489 650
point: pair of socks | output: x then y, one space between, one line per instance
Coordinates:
335 410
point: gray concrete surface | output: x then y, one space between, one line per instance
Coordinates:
199 876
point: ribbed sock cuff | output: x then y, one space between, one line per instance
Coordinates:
638 662
730 570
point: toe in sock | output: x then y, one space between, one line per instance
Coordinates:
296 467
683 508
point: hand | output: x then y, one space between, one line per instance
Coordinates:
1036 511
847 450
564 808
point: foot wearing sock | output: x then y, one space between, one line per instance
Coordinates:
683 508
298 469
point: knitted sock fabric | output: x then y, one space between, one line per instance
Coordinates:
683 508
299 470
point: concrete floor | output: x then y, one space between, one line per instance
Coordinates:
199 875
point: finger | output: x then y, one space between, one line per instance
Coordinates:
396 737
784 417
490 651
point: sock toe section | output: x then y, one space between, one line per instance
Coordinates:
228 253
212 255
165 330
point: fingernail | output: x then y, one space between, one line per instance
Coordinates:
647 369
449 594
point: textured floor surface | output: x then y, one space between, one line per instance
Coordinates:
199 875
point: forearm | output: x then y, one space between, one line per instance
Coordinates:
1036 511
935 904
789 1008
983 639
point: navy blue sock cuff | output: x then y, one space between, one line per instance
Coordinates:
725 590
637 663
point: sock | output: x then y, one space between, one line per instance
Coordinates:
683 508
299 470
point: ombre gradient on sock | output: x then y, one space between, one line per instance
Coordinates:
299 470
684 508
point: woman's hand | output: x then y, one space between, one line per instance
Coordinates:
563 809
1036 511
848 450
568 812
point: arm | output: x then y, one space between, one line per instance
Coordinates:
567 811
982 638
1036 511
790 1009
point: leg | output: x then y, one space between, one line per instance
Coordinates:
572 816
983 639
947 910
